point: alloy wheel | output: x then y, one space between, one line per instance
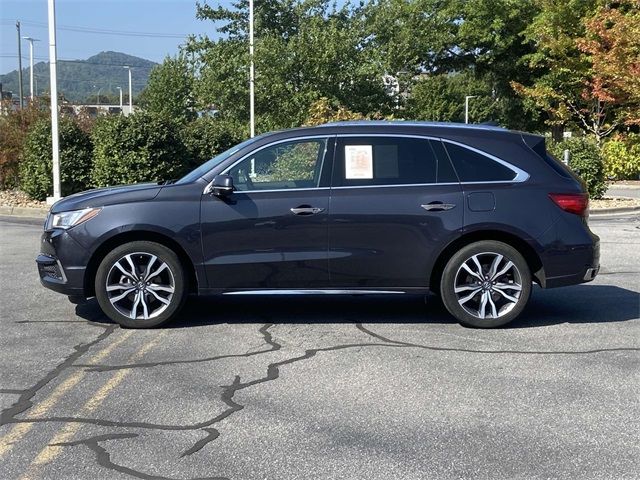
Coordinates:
488 285
140 285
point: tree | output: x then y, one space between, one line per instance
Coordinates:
442 98
612 40
303 51
483 39
586 53
169 92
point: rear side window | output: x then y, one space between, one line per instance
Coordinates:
364 161
472 166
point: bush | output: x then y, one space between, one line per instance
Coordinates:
37 164
206 137
585 160
14 127
622 158
137 148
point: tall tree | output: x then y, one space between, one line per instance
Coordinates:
574 40
482 38
304 50
612 41
169 92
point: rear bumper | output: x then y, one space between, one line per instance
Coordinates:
583 261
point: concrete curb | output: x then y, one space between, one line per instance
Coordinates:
30 212
609 211
624 187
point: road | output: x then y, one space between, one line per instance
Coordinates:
323 388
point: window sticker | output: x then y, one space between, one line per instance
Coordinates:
358 161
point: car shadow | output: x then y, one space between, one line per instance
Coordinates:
577 304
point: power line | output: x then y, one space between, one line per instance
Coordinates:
102 31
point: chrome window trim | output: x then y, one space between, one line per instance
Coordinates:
521 175
277 142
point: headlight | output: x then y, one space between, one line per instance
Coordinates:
70 219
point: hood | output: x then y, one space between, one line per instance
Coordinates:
101 197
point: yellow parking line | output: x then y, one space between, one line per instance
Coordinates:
50 452
19 430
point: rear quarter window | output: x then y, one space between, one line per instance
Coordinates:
472 166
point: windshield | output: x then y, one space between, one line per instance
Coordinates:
218 159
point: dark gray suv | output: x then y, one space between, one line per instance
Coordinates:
472 213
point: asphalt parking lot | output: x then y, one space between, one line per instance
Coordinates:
322 388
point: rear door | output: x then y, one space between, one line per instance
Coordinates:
395 203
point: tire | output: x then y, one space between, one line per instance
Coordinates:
141 284
492 299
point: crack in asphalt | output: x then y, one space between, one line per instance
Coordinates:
24 402
263 330
371 333
104 458
229 391
11 391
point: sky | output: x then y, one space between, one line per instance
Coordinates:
166 21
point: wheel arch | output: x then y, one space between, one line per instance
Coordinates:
132 236
522 246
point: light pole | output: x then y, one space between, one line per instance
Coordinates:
120 89
55 145
20 66
466 107
130 92
252 120
31 40
98 95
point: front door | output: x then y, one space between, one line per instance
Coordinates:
271 232
395 203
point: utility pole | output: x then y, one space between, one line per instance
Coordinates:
252 119
31 40
466 107
120 88
55 140
130 92
20 66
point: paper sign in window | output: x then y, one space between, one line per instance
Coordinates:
358 161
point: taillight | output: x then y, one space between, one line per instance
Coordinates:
577 203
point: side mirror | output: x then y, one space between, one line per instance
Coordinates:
222 185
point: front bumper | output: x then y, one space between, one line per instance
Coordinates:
62 263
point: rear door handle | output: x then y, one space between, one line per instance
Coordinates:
438 206
304 210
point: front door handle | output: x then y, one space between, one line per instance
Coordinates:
438 206
305 210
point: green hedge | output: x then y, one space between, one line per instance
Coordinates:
37 164
137 148
206 137
585 160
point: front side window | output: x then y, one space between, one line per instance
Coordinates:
367 161
293 164
472 166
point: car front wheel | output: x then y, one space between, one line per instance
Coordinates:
486 284
140 284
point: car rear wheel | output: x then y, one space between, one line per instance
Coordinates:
141 284
486 284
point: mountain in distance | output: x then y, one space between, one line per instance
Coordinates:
79 80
